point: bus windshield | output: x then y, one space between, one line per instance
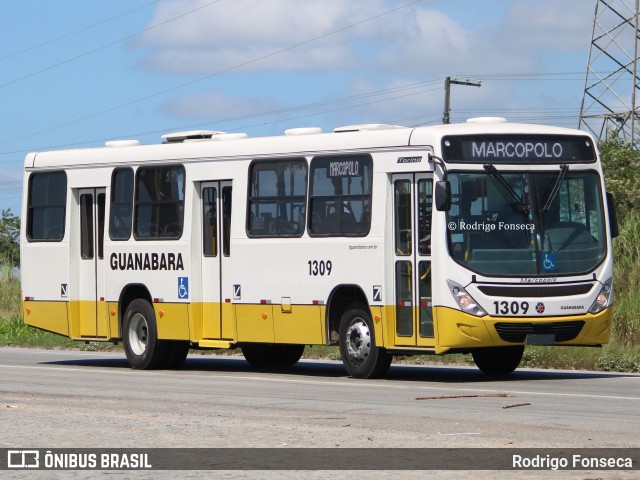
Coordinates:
526 223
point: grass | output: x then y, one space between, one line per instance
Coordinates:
622 354
626 325
14 332
9 292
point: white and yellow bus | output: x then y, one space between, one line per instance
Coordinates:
480 237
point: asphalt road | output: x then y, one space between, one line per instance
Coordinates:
58 399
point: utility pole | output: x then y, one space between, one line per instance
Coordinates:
446 118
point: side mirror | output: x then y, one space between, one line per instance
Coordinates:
613 216
443 196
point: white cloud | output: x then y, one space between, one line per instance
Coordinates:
548 24
235 32
436 45
428 40
250 21
271 35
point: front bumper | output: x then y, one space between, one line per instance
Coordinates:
460 331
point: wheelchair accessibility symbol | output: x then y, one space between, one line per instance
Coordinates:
549 262
183 287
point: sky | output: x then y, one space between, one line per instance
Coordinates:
77 73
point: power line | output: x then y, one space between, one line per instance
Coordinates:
102 47
338 100
413 89
74 32
412 121
206 77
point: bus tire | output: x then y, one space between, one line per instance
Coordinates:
141 345
360 355
176 354
265 355
498 360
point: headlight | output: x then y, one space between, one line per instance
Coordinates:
465 301
603 300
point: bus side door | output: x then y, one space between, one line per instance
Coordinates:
412 197
216 294
88 254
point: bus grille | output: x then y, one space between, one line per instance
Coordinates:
535 290
517 332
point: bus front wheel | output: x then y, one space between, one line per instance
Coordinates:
360 355
498 360
140 334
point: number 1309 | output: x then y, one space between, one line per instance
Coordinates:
319 267
513 308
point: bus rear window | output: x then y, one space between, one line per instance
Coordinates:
46 207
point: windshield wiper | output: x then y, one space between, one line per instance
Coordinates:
516 202
556 188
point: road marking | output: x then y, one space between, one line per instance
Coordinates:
347 383
66 353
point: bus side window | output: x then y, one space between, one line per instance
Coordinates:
276 205
86 226
210 222
159 202
121 204
226 221
402 217
340 196
425 208
101 207
46 207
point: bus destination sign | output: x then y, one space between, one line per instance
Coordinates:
517 149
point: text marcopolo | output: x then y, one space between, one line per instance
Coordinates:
516 149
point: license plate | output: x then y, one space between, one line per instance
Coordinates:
541 339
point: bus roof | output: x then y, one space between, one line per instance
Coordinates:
297 142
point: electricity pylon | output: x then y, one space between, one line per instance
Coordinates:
609 103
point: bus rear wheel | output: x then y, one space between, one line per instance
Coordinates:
265 355
360 355
140 335
498 360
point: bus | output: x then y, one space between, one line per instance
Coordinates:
479 238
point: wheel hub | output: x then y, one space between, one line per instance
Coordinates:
138 334
358 341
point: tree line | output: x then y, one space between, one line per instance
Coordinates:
9 239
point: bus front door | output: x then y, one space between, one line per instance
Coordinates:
88 242
412 208
217 310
